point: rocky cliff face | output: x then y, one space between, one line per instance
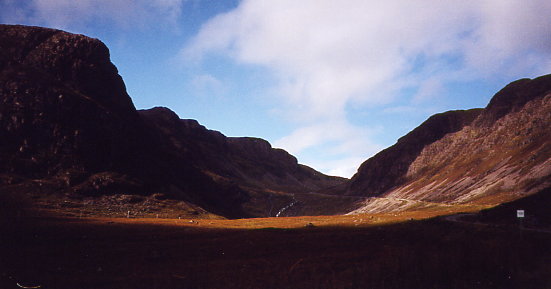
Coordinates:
498 154
64 108
388 168
67 126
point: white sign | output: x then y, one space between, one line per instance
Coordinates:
520 213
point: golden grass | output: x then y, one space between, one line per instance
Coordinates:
360 220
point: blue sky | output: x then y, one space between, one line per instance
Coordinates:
332 82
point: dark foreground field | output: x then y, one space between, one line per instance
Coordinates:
118 253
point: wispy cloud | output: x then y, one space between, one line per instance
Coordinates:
13 11
70 14
206 84
330 54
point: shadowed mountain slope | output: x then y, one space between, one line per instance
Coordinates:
483 157
535 206
246 160
68 127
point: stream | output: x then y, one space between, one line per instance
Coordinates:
294 202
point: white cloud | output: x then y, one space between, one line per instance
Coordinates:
344 146
329 54
512 37
344 167
127 14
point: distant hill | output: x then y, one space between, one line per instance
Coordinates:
69 130
482 156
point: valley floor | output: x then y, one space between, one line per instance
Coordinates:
362 251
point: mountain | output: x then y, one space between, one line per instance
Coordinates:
71 141
272 177
389 167
69 133
246 160
479 157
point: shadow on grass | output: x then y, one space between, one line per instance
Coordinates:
420 254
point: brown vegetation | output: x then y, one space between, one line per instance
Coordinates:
317 252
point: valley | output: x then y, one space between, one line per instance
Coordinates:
378 251
95 193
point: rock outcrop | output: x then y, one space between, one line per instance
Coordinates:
487 157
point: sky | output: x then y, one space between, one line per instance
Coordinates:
333 82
